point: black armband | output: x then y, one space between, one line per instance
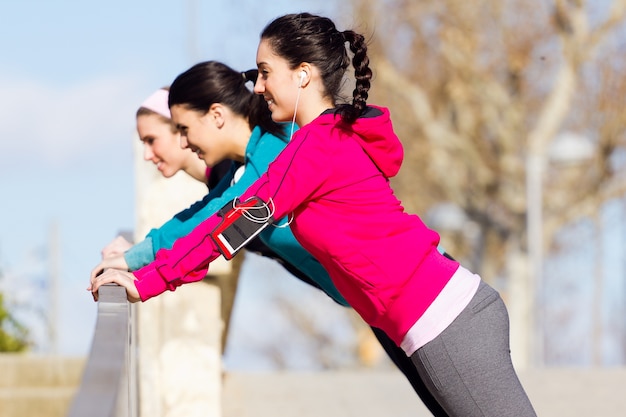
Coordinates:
241 222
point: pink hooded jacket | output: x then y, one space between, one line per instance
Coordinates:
333 179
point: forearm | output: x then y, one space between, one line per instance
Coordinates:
187 261
139 255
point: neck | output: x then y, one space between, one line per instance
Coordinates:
240 131
196 168
309 110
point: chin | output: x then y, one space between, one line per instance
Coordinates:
168 173
278 118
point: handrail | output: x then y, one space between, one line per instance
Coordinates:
108 387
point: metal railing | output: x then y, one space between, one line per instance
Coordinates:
109 386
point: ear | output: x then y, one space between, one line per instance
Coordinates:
304 74
216 114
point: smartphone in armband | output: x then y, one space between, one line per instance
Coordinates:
241 222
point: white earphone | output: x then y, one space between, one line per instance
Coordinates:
302 77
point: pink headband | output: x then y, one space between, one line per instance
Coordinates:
157 102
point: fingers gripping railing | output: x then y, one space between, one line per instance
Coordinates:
108 387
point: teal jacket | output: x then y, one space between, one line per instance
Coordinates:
262 149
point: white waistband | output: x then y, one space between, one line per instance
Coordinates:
454 297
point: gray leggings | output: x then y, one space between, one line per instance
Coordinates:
468 367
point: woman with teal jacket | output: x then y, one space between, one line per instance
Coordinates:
238 126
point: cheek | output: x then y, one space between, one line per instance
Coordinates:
191 137
163 147
211 147
168 148
286 95
270 87
155 149
204 139
192 140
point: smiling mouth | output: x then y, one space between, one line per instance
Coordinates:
195 150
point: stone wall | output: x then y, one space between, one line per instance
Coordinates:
179 333
35 385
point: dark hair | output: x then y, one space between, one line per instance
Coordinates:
304 37
214 82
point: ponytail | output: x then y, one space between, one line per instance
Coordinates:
250 75
362 74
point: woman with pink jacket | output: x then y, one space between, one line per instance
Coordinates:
332 182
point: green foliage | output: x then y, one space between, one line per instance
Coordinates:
13 336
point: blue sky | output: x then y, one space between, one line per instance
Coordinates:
72 74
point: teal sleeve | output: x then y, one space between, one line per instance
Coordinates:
179 219
143 253
282 241
183 223
139 255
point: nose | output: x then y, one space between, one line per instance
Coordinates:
259 86
184 143
147 152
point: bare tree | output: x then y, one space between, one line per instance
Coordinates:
479 91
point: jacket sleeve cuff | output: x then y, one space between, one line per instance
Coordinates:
150 283
139 255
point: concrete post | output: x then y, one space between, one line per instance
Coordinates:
179 333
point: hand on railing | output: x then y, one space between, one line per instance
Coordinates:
118 246
123 278
111 262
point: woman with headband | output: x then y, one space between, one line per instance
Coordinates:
238 125
162 147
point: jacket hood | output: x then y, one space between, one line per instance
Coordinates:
375 134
